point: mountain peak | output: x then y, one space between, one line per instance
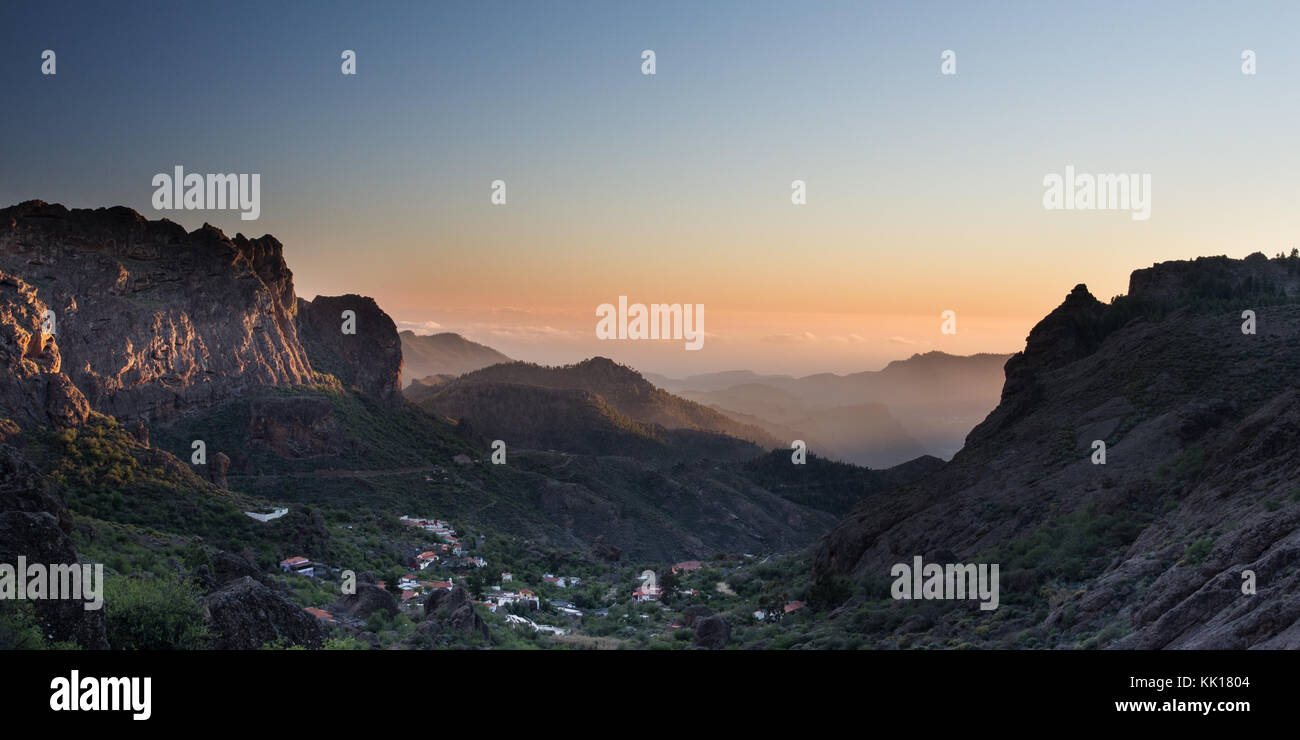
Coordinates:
445 353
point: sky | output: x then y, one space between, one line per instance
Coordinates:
924 190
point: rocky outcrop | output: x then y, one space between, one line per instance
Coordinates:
151 320
36 391
35 525
368 359
603 551
245 615
454 610
298 427
1071 332
369 598
695 613
229 566
712 633
1214 278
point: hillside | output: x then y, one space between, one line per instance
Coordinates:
444 354
163 339
1147 550
547 406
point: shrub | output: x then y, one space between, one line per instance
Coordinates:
153 614
1197 552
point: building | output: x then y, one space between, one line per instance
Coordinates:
320 614
647 592
507 577
300 565
506 598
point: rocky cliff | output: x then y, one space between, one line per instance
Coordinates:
151 320
360 348
1197 494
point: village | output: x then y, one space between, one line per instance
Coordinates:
555 604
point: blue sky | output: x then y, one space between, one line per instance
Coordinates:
924 190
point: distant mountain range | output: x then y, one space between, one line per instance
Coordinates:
923 405
443 354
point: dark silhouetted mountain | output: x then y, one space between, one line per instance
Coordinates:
588 408
1201 424
368 357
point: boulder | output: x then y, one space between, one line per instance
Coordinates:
454 610
694 613
712 633
368 599
245 615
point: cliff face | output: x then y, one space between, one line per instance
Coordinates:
1149 549
36 390
151 320
370 359
104 311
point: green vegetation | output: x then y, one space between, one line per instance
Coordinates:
153 614
20 630
1197 552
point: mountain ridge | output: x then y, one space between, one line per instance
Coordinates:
1147 550
444 353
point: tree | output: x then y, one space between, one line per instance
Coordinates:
475 584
